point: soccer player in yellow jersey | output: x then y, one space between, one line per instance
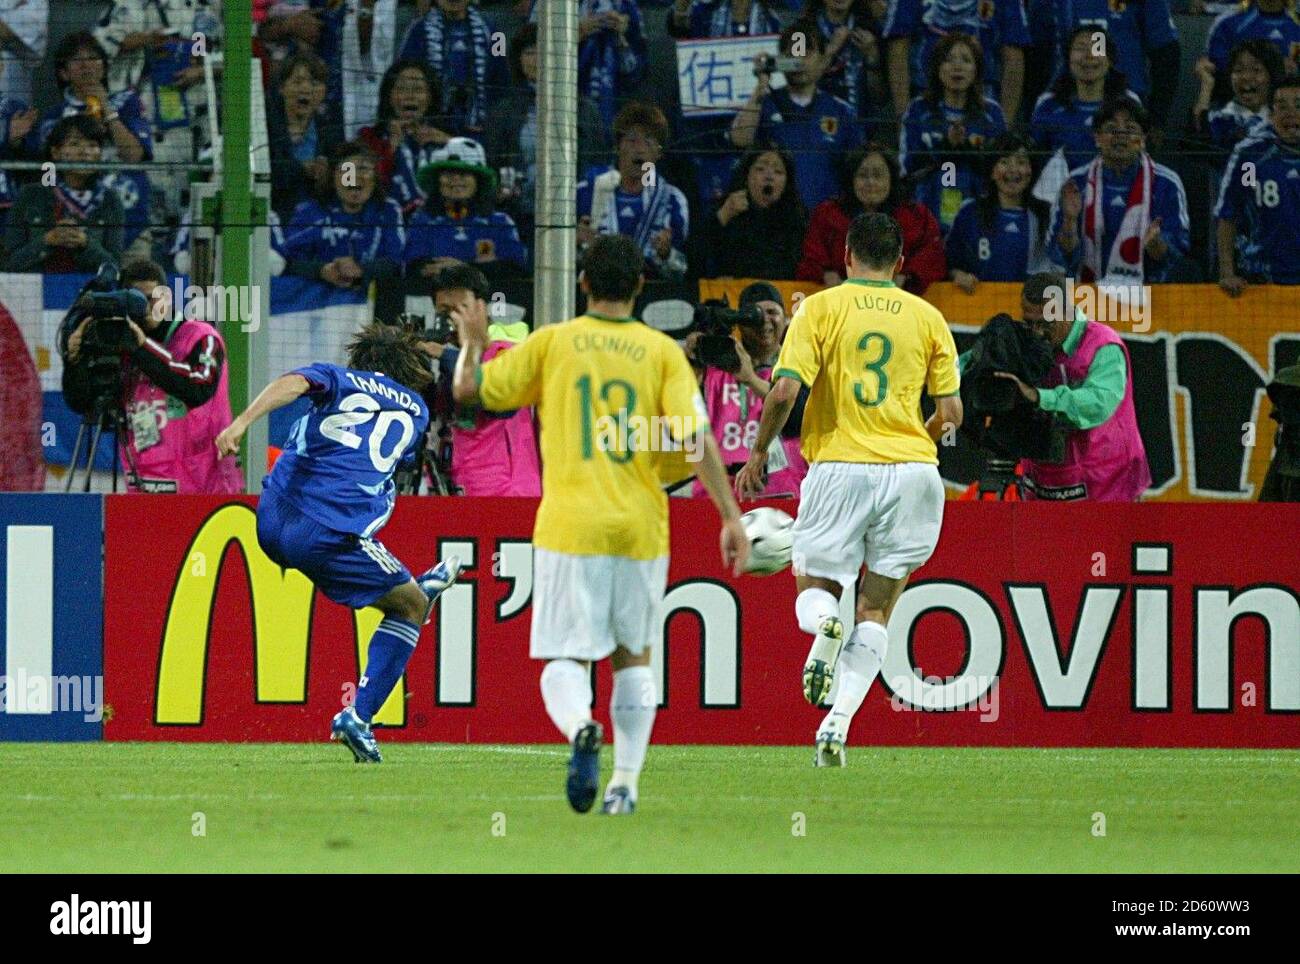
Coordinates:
866 349
608 390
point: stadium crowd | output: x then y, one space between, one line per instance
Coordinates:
980 125
1006 137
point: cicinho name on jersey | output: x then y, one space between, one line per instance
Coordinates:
594 341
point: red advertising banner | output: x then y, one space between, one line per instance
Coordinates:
1032 625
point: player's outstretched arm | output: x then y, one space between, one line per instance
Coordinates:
278 394
777 407
713 475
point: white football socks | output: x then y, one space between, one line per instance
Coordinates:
566 691
632 706
812 606
860 661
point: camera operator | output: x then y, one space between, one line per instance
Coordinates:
1090 389
171 386
492 453
735 382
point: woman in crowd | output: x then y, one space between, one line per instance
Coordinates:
944 129
1254 69
80 66
301 138
1062 118
74 225
511 136
351 239
457 43
757 231
407 131
459 223
1001 236
871 182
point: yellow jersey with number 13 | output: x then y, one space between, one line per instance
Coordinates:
866 349
606 389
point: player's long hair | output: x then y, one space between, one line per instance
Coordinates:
391 351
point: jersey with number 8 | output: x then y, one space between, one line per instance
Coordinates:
868 349
338 463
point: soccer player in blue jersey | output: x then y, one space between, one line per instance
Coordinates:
1258 210
332 491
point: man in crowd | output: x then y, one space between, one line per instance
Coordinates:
1259 201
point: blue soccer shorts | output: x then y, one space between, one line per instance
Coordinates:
349 569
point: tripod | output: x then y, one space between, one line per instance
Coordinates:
105 415
999 482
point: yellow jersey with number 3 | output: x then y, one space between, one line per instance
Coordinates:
867 349
606 389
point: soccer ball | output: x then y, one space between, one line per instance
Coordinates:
770 538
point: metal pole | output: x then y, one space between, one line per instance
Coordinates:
236 193
554 271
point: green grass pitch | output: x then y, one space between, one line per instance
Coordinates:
264 807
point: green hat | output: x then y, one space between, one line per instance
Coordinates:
459 154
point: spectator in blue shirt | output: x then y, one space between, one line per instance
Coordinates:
814 127
611 51
913 28
634 199
301 137
850 32
455 40
944 129
1002 234
1121 219
1259 206
1062 118
81 66
721 18
1274 21
459 223
1254 68
354 237
18 142
407 131
1145 45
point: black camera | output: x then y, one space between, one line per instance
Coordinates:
715 320
107 335
440 330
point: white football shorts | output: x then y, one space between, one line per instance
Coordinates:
585 606
887 515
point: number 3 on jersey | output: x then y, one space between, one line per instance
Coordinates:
866 346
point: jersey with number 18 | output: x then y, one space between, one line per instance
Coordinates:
605 389
867 349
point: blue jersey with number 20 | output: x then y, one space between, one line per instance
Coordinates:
338 462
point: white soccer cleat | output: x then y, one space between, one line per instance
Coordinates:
829 750
819 668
